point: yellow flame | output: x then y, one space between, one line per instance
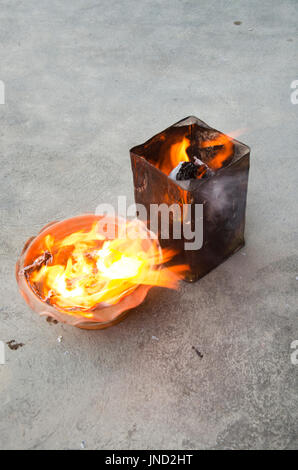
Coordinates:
86 269
177 154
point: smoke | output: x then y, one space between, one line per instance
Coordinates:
224 198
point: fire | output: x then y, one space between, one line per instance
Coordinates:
176 155
223 150
85 269
226 148
178 152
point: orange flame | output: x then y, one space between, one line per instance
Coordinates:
177 154
225 151
85 269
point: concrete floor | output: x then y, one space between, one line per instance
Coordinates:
85 81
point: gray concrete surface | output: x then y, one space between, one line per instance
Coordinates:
85 81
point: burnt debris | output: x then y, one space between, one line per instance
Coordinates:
198 352
13 345
191 170
52 320
45 258
187 171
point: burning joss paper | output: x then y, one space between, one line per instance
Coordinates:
76 269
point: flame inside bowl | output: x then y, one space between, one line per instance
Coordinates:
92 269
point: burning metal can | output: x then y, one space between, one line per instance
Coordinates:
219 186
